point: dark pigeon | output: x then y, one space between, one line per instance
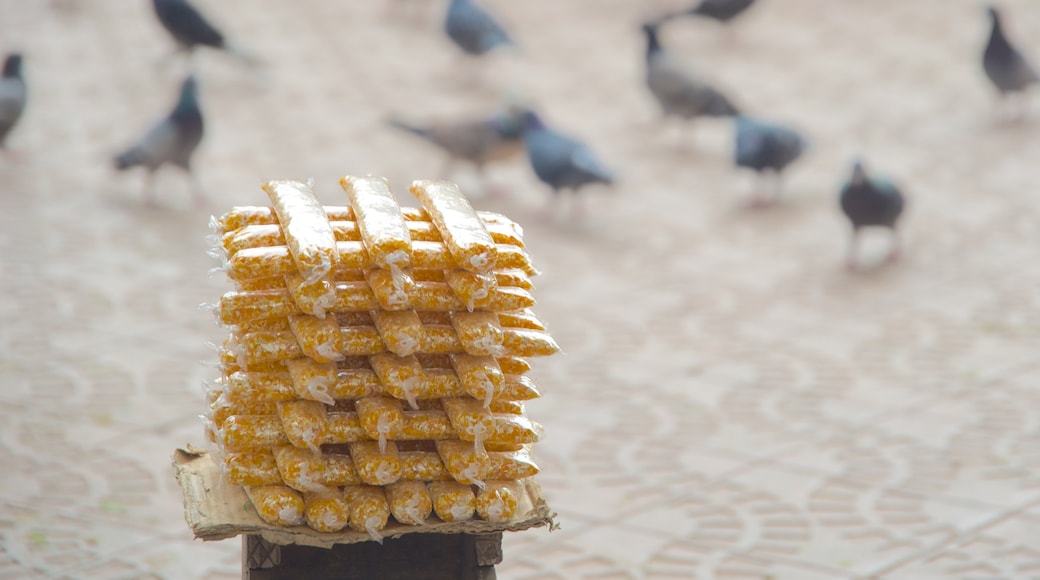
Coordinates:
472 29
563 163
12 96
191 30
870 201
678 92
477 141
1005 66
171 141
767 149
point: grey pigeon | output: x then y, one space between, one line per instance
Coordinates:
191 30
477 141
678 92
12 96
1005 66
870 201
171 141
561 162
472 29
766 148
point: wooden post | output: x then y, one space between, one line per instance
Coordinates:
409 557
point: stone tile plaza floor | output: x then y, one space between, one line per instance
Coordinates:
732 402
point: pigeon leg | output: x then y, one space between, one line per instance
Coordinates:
897 247
850 259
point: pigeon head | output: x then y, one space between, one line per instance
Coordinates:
13 65
531 121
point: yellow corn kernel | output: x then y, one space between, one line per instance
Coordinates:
426 425
452 501
520 319
491 446
439 383
312 380
478 332
264 262
409 501
401 377
352 256
472 422
509 298
393 292
237 308
435 296
340 470
422 466
472 289
518 388
300 469
251 468
339 213
326 511
305 227
316 297
514 365
506 407
381 417
463 462
479 376
241 216
431 256
264 346
361 340
355 384
379 218
344 427
523 342
513 277
499 500
252 236
515 258
345 230
511 465
355 296
222 409
424 275
514 429
268 283
373 466
369 510
440 340
351 276
461 228
402 332
251 432
243 388
277 504
509 234
319 339
279 324
304 423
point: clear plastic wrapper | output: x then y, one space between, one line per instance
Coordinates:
520 319
301 469
516 429
425 425
422 466
381 417
277 504
472 289
463 462
312 380
354 296
355 384
269 283
513 277
479 332
380 221
242 216
480 376
518 388
513 365
222 409
471 420
498 501
305 227
244 388
462 230
304 424
402 331
251 468
409 501
401 377
319 338
239 307
316 297
452 501
392 292
361 340
506 407
344 427
326 511
440 340
264 346
524 342
376 467
250 432
369 510
511 465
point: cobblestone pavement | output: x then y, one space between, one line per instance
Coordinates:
732 403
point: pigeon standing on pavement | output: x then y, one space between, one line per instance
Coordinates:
171 141
870 202
472 29
191 30
1005 66
766 148
678 92
12 96
477 141
561 162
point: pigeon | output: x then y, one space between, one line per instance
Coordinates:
870 201
678 92
12 95
766 148
171 141
473 29
478 141
561 162
1005 66
191 30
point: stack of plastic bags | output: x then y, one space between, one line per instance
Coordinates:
377 358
